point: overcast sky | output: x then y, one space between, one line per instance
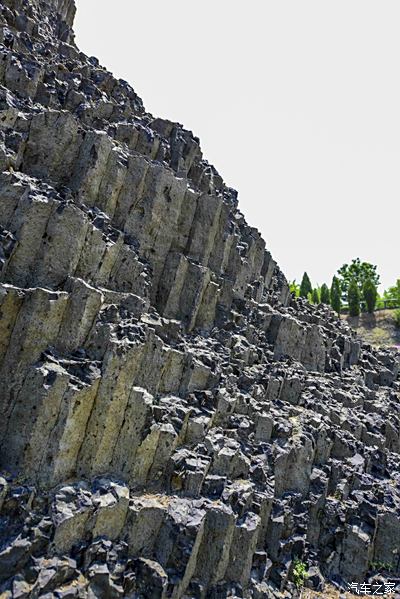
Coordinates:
296 103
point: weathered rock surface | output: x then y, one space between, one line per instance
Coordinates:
174 424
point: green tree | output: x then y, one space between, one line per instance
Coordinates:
305 286
325 294
294 288
370 294
393 293
336 295
315 296
359 272
353 296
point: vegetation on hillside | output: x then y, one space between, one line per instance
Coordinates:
353 290
359 273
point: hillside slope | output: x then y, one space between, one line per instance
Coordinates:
377 329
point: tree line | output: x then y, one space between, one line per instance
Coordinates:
354 287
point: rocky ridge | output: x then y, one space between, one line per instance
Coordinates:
174 423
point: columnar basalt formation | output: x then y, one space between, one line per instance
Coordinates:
174 423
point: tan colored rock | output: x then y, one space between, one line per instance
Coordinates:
80 315
111 512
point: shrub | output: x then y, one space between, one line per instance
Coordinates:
381 566
397 319
294 288
299 573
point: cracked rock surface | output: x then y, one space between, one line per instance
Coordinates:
174 424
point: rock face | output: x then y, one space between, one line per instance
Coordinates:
174 423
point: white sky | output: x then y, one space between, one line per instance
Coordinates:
296 103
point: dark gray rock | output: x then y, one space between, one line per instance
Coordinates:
174 423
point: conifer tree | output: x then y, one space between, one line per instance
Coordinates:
370 294
336 298
315 296
305 286
325 294
353 295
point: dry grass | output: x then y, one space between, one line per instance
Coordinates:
377 328
332 593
